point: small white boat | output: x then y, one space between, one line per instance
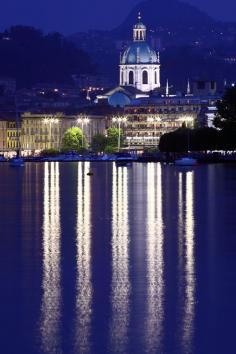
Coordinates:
186 161
17 162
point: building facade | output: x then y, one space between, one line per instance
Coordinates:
148 119
13 136
45 131
3 135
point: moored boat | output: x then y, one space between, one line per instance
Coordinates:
186 161
17 162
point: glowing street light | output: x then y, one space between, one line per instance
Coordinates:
119 120
83 120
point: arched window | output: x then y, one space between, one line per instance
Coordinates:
131 77
155 77
122 78
145 77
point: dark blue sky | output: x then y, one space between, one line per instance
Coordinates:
70 16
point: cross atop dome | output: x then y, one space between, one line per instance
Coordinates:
139 16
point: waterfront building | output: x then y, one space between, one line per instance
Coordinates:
3 134
41 131
9 141
148 119
12 136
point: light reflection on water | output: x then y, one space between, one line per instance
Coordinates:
186 240
120 287
190 264
154 233
155 262
83 245
51 298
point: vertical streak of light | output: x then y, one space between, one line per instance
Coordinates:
189 307
83 244
180 226
51 301
120 261
155 261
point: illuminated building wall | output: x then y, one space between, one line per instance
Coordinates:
147 122
12 140
39 133
3 135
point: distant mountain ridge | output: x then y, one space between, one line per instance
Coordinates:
171 13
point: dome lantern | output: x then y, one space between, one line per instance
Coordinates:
139 30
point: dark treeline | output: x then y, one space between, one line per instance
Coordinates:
201 139
30 57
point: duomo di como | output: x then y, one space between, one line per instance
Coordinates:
142 107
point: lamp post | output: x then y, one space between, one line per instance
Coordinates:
83 120
119 120
155 120
50 120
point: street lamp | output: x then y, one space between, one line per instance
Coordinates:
119 120
50 120
155 120
83 120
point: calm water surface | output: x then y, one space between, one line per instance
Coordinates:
130 260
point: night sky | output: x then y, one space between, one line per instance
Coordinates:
69 16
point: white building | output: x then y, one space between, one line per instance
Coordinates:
139 64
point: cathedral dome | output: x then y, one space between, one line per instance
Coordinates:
139 53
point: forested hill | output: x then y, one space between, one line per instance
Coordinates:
166 13
29 56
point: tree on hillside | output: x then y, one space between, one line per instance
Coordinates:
226 111
31 57
226 119
74 140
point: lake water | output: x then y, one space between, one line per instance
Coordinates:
130 260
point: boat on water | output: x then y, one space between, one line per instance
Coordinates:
124 158
186 161
90 173
123 163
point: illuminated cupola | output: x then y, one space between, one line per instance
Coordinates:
139 31
140 64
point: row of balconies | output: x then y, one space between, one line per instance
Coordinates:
164 110
32 131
